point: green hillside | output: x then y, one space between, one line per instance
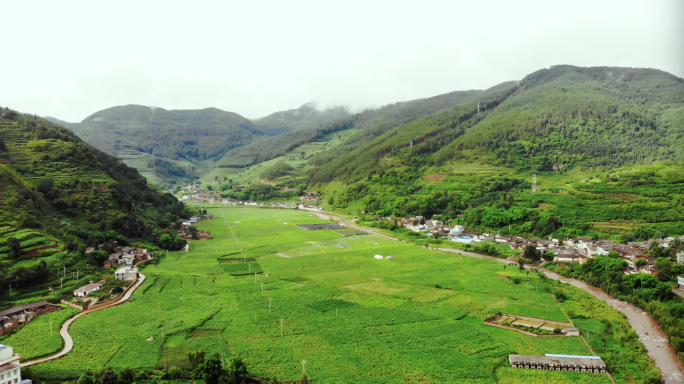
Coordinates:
166 145
59 195
367 124
605 143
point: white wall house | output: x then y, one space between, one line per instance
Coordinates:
10 371
680 280
463 239
126 273
680 257
88 289
457 230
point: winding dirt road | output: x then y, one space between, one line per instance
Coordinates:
64 330
650 333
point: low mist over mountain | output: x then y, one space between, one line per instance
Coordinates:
306 116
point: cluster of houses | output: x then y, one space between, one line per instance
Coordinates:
126 256
578 250
14 317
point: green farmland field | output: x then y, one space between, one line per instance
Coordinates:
354 319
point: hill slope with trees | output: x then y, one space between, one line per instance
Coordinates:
606 145
59 196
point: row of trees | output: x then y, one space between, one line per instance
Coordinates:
212 369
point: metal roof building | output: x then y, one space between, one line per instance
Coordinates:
550 362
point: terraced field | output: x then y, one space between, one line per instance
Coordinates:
415 318
35 246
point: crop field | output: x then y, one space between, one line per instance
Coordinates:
34 339
323 298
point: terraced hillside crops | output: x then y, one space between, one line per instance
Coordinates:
59 196
34 245
415 318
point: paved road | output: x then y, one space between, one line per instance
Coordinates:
64 330
650 333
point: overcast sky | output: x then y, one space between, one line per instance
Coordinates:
69 59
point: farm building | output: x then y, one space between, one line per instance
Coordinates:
509 321
126 273
10 370
13 317
88 289
593 364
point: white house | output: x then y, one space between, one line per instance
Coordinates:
680 280
680 257
463 239
10 370
484 237
126 273
88 289
457 230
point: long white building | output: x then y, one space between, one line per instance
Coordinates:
10 371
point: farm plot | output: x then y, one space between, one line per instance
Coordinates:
416 317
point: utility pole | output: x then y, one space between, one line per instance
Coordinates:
534 182
478 109
60 284
51 329
304 366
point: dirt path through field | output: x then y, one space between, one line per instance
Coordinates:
64 330
650 333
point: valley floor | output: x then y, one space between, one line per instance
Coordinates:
321 297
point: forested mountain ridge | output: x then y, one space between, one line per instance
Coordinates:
554 119
367 124
166 145
60 195
173 134
606 145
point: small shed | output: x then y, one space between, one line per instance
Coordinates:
379 257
